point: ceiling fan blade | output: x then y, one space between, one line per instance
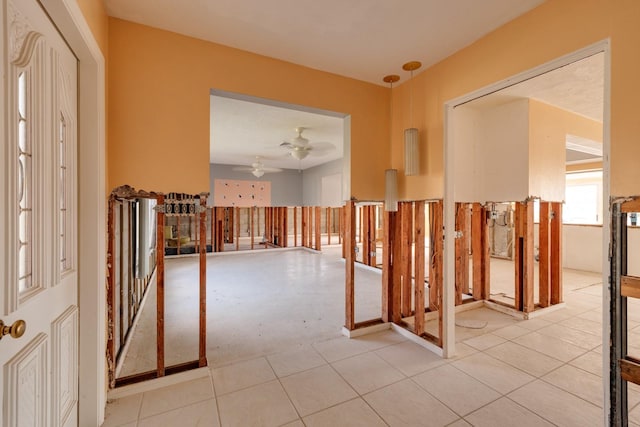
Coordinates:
277 152
286 144
242 169
322 146
261 157
318 153
271 170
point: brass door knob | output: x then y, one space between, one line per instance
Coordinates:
16 330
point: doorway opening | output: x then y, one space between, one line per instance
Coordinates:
501 152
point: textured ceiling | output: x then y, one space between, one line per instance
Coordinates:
243 128
362 39
577 87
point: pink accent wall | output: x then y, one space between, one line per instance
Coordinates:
240 193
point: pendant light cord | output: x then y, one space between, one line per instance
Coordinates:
391 121
411 67
391 79
411 100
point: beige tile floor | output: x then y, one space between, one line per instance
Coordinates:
383 379
257 304
541 372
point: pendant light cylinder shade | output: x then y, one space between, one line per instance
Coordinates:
411 152
411 141
391 190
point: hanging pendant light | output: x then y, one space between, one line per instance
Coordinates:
411 139
391 190
391 175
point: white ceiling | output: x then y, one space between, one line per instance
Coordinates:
243 128
362 39
577 87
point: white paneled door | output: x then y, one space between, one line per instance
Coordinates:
38 233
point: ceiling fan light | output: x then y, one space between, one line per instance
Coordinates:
299 154
257 173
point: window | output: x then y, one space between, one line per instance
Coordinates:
583 198
24 181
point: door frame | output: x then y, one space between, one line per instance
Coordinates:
603 46
70 21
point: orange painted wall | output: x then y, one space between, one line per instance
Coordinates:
625 92
96 16
159 81
579 167
554 29
159 86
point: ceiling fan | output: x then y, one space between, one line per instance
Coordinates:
300 147
257 168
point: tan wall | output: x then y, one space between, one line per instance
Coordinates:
625 92
554 29
96 16
579 167
159 100
159 85
514 150
548 127
502 153
547 142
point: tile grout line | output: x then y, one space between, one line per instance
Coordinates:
286 393
529 410
140 409
540 378
535 351
500 395
570 392
358 395
493 388
173 409
435 397
215 396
